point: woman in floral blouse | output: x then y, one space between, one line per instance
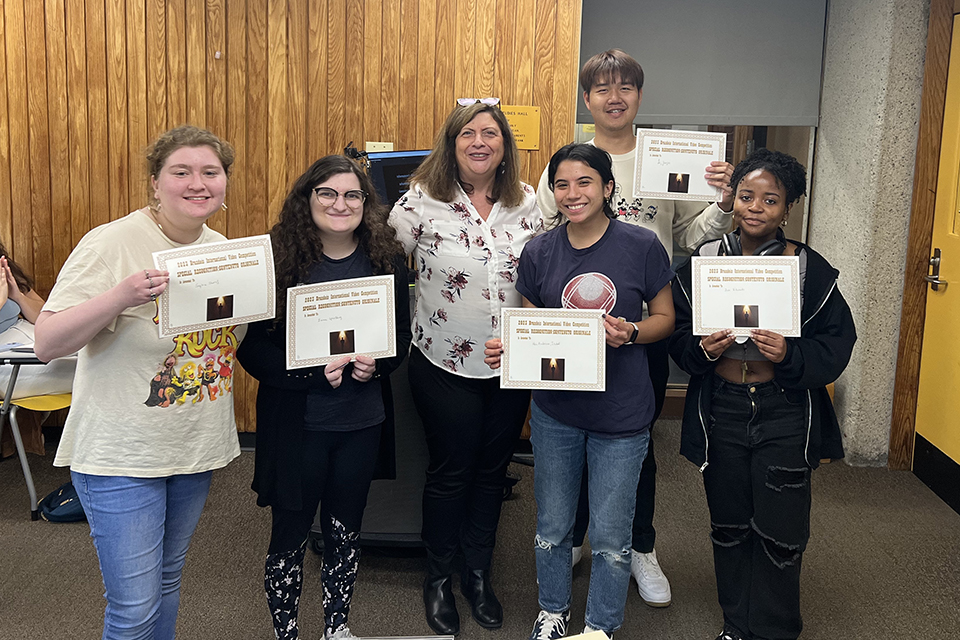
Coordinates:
465 220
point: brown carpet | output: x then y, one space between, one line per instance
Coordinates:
883 562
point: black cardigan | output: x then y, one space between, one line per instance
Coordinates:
282 401
812 361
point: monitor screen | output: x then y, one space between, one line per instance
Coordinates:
391 171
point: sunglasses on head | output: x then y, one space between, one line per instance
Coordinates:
466 102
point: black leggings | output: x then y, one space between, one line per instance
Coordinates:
337 468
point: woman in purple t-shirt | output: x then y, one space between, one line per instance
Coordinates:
592 261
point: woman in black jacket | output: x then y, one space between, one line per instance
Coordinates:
758 418
319 429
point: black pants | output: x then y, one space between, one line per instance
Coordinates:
758 490
471 427
337 468
644 534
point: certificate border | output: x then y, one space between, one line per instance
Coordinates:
681 135
579 314
161 258
698 263
386 281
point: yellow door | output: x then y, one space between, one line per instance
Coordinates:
938 400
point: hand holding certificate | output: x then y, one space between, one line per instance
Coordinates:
670 164
743 293
216 285
330 320
553 349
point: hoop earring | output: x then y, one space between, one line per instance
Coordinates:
223 205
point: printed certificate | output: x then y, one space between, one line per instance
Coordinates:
329 320
743 293
553 349
217 285
671 164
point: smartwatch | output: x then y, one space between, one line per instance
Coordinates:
633 336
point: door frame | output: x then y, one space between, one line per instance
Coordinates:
903 424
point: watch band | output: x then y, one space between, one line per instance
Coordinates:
633 336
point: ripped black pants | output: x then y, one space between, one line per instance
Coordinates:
758 490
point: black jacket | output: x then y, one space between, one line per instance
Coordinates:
813 360
282 402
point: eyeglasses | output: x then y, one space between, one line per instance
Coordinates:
327 196
466 102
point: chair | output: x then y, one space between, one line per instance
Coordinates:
43 404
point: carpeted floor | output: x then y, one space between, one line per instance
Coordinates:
883 562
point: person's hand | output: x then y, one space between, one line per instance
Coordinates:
718 175
618 331
142 287
334 371
363 368
492 351
716 343
5 288
772 345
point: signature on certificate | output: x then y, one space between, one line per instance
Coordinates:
201 285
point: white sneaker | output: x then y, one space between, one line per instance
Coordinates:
588 629
342 634
550 626
653 586
577 555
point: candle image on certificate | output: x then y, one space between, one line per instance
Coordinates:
329 320
671 164
216 285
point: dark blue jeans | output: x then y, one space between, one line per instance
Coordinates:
758 491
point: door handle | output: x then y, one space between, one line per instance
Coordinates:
934 277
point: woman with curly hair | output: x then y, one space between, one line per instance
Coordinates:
758 417
466 219
319 428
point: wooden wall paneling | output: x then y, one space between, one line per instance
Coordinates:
932 105
543 78
445 66
118 167
41 264
235 57
408 97
504 77
317 146
196 67
216 78
464 49
564 86
336 70
255 160
353 97
297 32
389 89
136 103
57 110
523 62
426 60
6 210
485 42
176 49
372 70
276 106
16 72
156 68
97 114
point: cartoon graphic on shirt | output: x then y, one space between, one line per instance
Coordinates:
198 361
589 291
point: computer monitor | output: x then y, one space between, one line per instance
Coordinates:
391 171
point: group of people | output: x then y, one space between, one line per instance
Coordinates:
757 420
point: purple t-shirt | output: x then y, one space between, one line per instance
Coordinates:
624 269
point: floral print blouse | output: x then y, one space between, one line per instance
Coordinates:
466 272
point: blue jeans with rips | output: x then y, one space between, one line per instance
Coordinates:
141 528
613 469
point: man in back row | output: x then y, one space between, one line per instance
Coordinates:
612 84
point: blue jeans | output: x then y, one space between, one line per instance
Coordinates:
141 528
613 470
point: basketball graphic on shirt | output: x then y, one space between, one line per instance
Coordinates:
589 291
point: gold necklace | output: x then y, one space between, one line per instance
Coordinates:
156 218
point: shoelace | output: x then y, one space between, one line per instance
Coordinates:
548 624
652 570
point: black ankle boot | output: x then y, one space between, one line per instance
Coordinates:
440 605
476 588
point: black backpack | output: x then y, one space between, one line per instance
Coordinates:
62 505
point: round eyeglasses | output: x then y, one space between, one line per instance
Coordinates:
327 196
